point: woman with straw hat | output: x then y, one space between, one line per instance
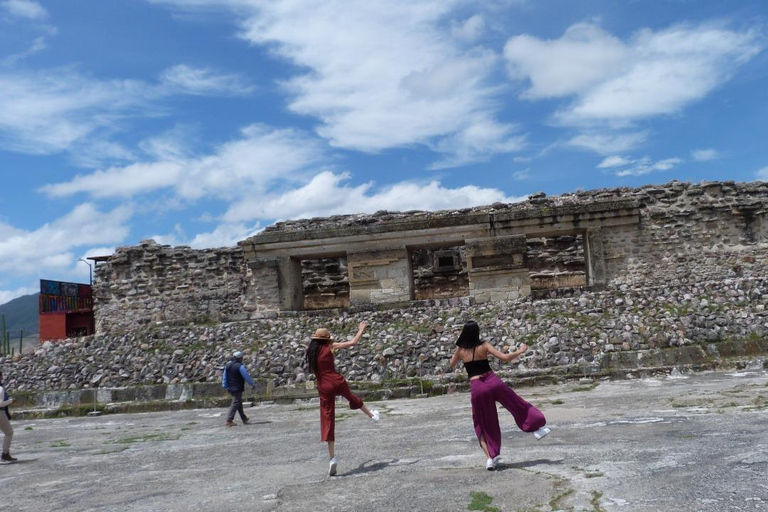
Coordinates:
331 384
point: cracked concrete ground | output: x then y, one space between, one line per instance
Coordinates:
695 443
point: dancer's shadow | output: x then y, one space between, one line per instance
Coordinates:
502 466
370 466
264 422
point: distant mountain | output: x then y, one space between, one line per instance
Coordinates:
21 314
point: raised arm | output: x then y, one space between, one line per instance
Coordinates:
346 344
508 356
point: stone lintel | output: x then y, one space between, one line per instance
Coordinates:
437 231
509 244
258 263
555 223
496 252
422 223
591 209
314 248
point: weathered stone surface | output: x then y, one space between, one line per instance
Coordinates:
710 315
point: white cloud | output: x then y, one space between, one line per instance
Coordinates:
646 166
614 161
704 155
583 57
61 109
653 73
383 75
328 193
203 81
49 248
38 45
762 174
522 175
50 111
605 143
27 9
120 181
261 157
469 29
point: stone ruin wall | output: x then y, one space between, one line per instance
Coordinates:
689 281
682 323
691 228
325 283
153 284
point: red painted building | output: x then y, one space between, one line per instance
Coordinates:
66 310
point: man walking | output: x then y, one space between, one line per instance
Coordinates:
234 379
5 423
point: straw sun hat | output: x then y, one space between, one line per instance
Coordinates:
322 334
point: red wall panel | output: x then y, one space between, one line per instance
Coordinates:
53 326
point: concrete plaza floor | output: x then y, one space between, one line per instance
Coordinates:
685 443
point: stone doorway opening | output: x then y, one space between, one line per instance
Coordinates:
556 263
325 283
439 272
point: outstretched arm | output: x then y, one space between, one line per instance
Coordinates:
508 356
346 344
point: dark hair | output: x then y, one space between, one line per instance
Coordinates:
312 350
470 335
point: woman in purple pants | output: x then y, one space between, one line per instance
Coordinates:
487 389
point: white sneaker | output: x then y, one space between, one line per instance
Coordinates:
332 467
375 415
541 433
490 465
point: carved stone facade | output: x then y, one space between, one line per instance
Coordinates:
589 239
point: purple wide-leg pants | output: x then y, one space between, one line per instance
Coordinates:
486 391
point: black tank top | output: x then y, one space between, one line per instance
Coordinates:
479 367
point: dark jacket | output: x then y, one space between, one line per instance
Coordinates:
235 376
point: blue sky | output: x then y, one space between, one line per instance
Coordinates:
199 122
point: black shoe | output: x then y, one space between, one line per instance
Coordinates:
246 421
7 457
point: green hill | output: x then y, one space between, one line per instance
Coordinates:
21 314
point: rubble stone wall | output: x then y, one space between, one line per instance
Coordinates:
151 283
625 325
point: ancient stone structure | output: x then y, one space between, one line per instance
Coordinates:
547 246
595 282
149 283
379 248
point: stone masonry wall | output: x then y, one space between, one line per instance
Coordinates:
721 315
325 283
152 283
